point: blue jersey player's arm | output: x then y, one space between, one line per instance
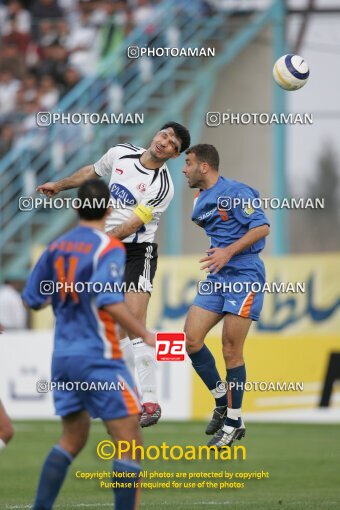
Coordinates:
109 276
39 284
252 218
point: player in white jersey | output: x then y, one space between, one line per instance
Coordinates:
141 189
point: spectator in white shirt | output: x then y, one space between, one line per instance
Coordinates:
9 86
19 15
48 92
13 314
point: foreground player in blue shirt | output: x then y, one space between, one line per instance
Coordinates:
223 207
86 345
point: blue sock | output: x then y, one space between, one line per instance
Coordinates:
236 379
125 498
204 364
52 477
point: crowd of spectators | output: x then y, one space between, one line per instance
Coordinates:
48 46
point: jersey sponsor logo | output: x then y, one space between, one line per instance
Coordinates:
204 216
170 346
119 171
141 187
122 194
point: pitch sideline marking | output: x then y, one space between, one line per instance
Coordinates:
165 503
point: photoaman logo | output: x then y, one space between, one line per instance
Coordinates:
170 346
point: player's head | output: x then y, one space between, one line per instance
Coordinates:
201 160
170 141
94 198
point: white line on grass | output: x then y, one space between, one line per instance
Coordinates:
94 505
170 503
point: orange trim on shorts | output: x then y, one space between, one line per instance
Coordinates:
245 310
110 333
130 401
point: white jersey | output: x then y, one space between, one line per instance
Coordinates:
135 188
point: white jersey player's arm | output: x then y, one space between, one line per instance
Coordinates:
99 169
128 227
73 181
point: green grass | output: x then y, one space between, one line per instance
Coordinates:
303 462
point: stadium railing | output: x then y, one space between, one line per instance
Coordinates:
160 88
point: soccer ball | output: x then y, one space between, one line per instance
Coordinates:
291 72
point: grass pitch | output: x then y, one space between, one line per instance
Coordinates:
303 462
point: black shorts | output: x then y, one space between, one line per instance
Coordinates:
141 265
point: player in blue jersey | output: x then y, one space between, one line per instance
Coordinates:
223 207
86 345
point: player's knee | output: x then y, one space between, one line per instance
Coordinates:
192 344
231 354
74 444
138 437
128 430
74 448
134 452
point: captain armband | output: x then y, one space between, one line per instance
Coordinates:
144 212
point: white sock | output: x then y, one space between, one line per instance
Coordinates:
146 370
234 414
218 393
128 354
2 444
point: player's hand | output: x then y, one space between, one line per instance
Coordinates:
1 329
49 188
149 339
216 259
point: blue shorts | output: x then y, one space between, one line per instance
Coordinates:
235 289
108 391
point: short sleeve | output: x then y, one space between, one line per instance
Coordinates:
108 277
246 211
40 282
105 164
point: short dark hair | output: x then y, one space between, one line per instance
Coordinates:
94 198
205 153
181 132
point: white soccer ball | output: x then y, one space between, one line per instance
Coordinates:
291 72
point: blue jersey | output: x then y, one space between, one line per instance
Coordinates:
91 261
225 212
